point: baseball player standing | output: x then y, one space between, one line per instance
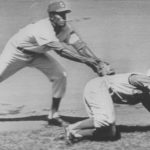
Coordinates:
30 45
99 95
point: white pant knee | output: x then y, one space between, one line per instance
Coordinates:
103 120
59 85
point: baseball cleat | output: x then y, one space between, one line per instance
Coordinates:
69 137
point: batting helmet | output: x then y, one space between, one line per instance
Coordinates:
58 6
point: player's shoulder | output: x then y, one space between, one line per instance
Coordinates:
43 24
44 21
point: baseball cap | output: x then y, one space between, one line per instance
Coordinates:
58 6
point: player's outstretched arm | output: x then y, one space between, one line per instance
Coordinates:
71 55
100 67
81 47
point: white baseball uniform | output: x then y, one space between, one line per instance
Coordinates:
101 92
33 38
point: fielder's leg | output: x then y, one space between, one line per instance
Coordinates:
57 75
12 60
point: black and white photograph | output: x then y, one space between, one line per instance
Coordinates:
74 74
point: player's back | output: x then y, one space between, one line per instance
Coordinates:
28 35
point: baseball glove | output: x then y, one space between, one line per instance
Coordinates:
102 68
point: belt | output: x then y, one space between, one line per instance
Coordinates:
26 51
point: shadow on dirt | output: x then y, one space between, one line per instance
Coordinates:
68 119
30 118
121 128
71 119
136 128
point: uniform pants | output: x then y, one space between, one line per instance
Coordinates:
12 60
98 102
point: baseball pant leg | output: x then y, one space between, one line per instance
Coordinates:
54 71
12 60
99 103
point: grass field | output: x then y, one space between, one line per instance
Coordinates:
117 31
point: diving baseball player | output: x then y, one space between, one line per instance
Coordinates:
29 47
99 96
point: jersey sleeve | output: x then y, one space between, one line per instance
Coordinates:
45 37
45 34
57 46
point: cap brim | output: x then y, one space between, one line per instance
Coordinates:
64 10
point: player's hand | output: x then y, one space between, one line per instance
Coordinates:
101 68
104 68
